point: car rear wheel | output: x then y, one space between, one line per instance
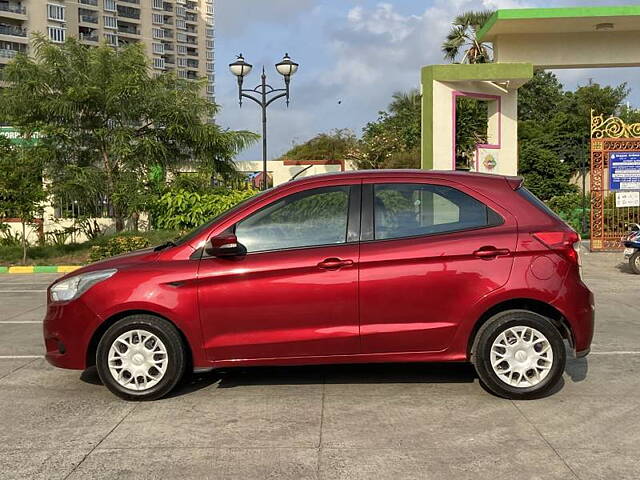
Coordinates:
519 355
141 357
634 262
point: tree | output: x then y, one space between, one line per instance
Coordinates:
325 146
21 190
102 110
393 140
543 157
471 129
540 97
463 37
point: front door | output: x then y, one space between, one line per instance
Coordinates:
432 252
295 292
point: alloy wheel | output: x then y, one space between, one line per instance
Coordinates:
521 356
138 360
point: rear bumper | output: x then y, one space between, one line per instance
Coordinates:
577 304
67 329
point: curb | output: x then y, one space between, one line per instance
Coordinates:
41 269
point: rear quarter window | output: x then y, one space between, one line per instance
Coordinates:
539 204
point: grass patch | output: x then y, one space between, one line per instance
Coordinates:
73 253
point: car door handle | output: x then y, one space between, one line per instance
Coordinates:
491 252
334 263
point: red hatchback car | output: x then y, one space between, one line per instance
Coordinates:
358 267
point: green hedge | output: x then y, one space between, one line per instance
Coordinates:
182 210
117 246
569 208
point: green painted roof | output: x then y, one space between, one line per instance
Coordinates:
556 13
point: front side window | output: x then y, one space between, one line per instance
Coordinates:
311 218
407 210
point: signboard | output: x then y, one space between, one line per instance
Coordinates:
624 170
627 199
486 160
14 136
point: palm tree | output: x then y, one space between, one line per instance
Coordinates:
405 101
463 36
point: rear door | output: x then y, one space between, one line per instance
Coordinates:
428 252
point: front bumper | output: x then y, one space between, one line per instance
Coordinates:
68 328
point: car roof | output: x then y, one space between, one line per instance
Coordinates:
457 176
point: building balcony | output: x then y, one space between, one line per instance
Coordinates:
129 12
88 19
13 8
123 41
89 37
93 3
128 30
13 30
6 53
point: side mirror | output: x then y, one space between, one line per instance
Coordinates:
225 245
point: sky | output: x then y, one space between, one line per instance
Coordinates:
353 55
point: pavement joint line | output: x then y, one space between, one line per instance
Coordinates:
319 448
18 368
23 291
613 352
100 442
18 357
544 439
27 311
15 322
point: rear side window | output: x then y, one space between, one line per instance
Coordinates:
407 210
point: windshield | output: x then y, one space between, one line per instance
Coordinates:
198 230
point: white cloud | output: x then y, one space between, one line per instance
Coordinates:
379 50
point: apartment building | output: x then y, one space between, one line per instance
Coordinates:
178 35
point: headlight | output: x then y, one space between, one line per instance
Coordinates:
75 286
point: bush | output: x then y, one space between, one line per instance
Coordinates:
183 210
9 238
117 246
569 208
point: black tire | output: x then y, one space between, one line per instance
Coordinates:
166 333
499 323
634 262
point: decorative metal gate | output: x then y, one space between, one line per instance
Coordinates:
615 180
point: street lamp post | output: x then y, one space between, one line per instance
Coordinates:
266 95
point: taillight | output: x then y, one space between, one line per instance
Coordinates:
566 243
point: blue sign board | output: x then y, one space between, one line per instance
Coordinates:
624 171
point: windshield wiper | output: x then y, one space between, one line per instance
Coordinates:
167 244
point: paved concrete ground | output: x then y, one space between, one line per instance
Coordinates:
349 422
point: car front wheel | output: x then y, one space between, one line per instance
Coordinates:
519 355
141 357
